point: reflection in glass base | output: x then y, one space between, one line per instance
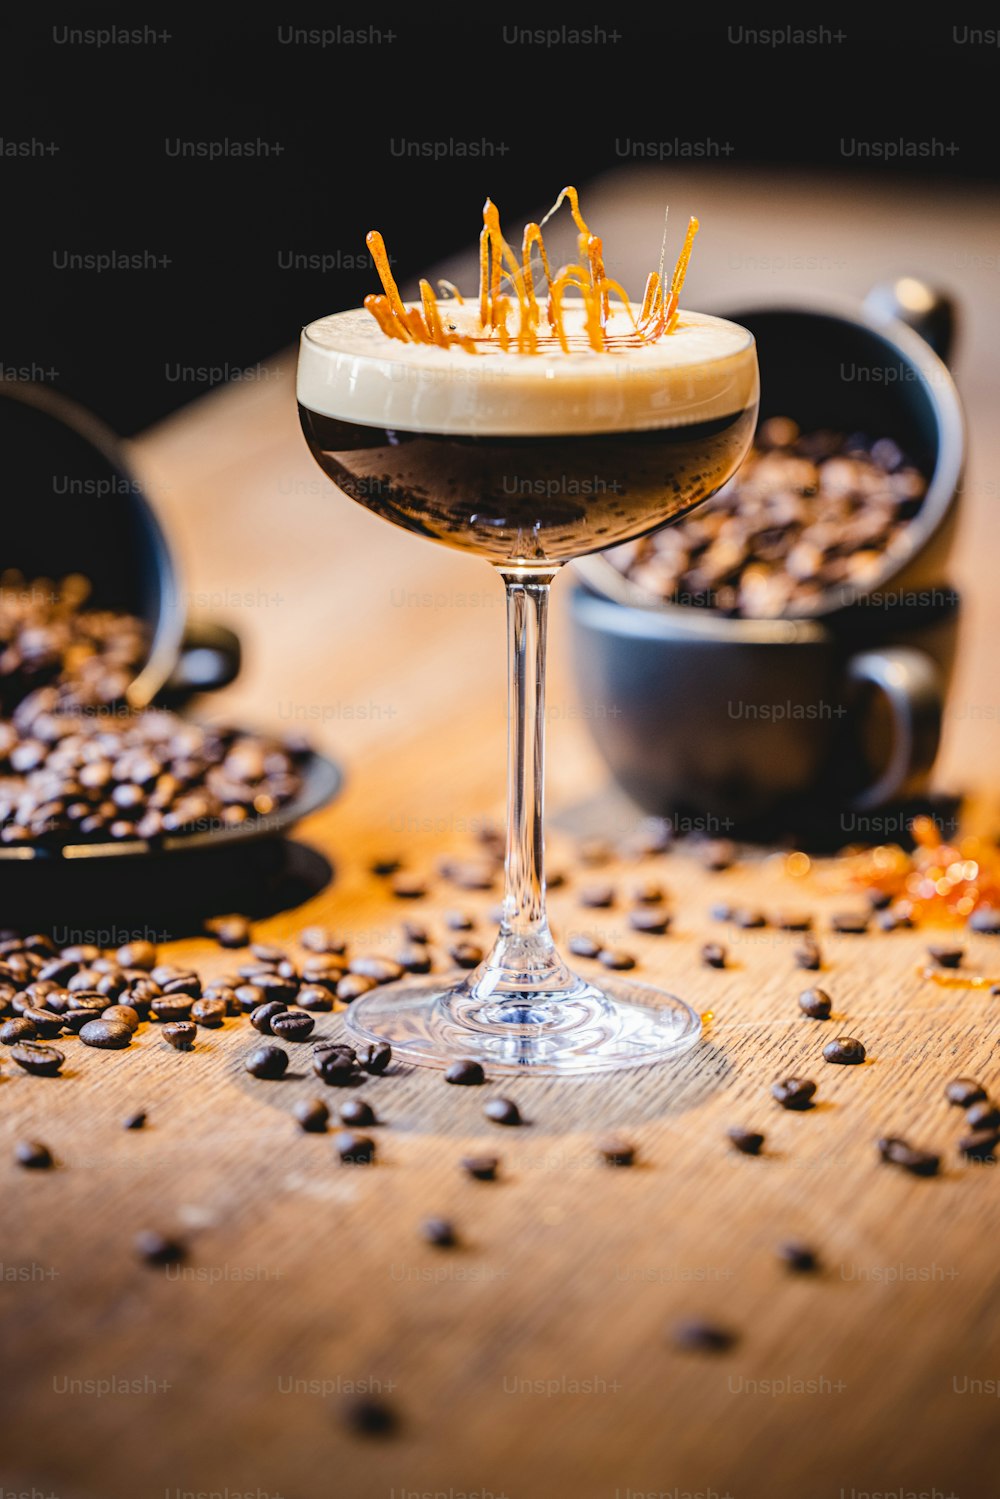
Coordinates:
589 1028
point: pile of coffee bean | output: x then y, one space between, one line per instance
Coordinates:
49 638
805 513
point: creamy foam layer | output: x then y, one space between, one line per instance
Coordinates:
350 370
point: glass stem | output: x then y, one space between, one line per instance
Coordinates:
524 956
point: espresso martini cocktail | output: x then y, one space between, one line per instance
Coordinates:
530 426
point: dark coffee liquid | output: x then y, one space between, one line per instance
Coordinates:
539 500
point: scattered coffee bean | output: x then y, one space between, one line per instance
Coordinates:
964 1091
33 1155
893 921
135 1121
615 1151
980 1145
157 1249
720 911
267 1062
108 1035
319 939
312 1115
653 920
230 931
850 923
465 1073
846 1050
981 1115
357 1111
124 1013
325 1043
209 1012
414 958
352 986
582 946
369 1417
807 955
439 1232
261 1017
816 1003
746 1141
470 874
17 1029
749 920
794 1092
324 969
986 920
379 970
793 921
482 1167
459 921
899 1153
408 887
466 954
648 893
172 1007
47 1026
292 1025
719 855
502 1111
385 866
594 851
336 1068
713 955
415 931
139 954
268 952
799 1257
180 1034
616 958
354 1149
375 1057
249 996
38 1059
599 897
703 1337
314 997
946 957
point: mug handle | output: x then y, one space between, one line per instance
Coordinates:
926 309
912 685
210 658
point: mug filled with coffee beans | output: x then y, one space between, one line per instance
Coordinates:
781 657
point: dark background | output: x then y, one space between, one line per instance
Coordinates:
117 339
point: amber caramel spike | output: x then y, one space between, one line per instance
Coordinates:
376 246
387 320
680 269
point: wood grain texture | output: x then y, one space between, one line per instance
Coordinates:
532 1361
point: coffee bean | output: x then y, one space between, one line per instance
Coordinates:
408 887
470 874
721 911
482 1167
336 1068
249 996
807 955
502 1111
187 983
108 1035
357 1111
465 1073
846 1050
261 1017
354 1149
319 939
982 1115
325 1043
375 1057
794 1092
33 1155
899 1153
312 1115
748 919
598 897
209 1012
47 1026
268 952
793 921
58 971
746 1141
292 1025
985 920
439 1232
980 1144
850 923
369 1416
88 1001
459 921
816 1003
379 970
466 954
18 1029
387 865
615 1151
181 1034
582 946
325 970
801 1258
267 1062
40 1060
946 957
964 1091
893 921
314 997
415 931
275 987
713 955
653 920
176 1005
124 1013
719 855
353 986
230 931
414 958
135 1121
703 1337
157 1249
616 957
139 954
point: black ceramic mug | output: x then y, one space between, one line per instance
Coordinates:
763 725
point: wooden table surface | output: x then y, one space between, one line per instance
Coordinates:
533 1360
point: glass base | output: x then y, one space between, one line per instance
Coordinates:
585 1028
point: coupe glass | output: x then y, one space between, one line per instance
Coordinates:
527 461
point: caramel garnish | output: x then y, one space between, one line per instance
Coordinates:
500 273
